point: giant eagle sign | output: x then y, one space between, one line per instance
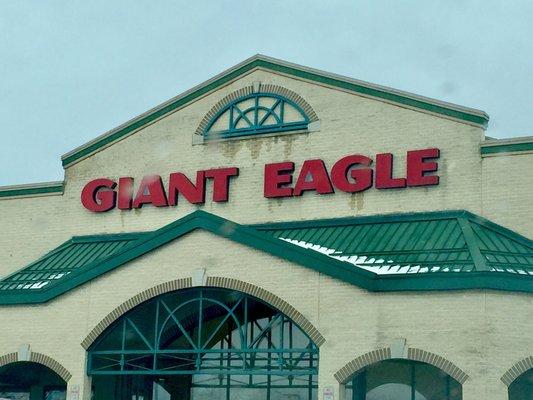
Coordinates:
351 174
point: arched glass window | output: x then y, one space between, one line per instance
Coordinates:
28 380
402 380
198 344
522 387
256 113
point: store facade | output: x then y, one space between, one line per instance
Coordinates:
276 232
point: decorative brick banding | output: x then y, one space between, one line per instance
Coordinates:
39 359
8 359
374 356
131 303
346 372
271 299
516 370
226 283
52 364
440 362
268 88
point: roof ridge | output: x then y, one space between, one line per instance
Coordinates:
109 236
479 259
484 222
409 100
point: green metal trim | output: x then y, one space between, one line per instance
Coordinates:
105 238
31 191
278 248
257 62
507 148
455 281
479 260
195 220
191 317
381 94
498 228
108 237
156 114
256 127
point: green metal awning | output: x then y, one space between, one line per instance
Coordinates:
413 243
424 251
72 256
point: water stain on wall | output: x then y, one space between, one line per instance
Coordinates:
230 149
357 201
288 142
255 147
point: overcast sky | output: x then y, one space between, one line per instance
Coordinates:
71 70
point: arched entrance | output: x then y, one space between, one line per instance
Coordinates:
203 343
402 379
30 381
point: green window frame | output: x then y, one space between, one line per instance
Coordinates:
211 338
256 113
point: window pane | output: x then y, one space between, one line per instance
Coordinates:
381 375
391 391
402 380
55 395
522 387
14 396
431 382
203 343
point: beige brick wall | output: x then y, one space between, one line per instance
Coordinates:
349 124
483 333
508 191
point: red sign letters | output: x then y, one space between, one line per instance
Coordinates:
351 174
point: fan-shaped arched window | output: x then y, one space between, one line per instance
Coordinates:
256 113
203 344
402 380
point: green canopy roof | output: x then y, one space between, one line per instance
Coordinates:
413 243
74 255
424 251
